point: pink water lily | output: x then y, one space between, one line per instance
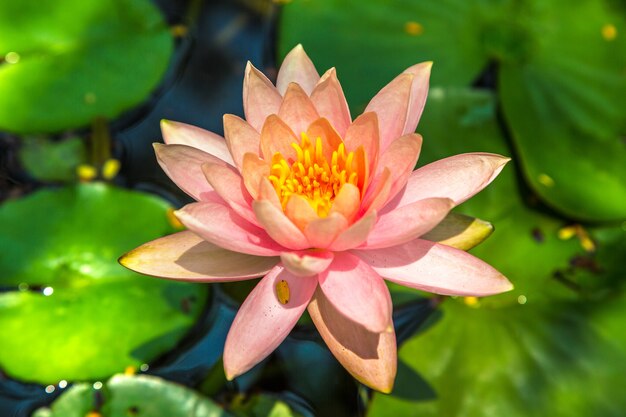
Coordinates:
322 206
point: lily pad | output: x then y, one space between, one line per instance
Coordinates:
124 396
371 42
525 361
565 108
68 61
68 310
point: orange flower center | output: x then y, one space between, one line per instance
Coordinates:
312 176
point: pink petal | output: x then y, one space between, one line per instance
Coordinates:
391 105
183 164
330 102
419 92
371 358
322 232
436 268
297 110
364 132
263 322
253 170
300 211
276 136
407 223
175 133
306 263
401 157
377 193
458 178
356 234
185 256
347 202
268 192
260 97
357 291
241 138
227 182
330 139
278 226
221 226
298 68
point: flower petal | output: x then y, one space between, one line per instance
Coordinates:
300 211
356 234
330 139
263 321
419 92
276 136
371 358
183 164
391 105
185 256
377 193
330 102
227 182
436 268
347 202
357 292
253 170
260 97
400 157
221 226
241 138
364 132
460 231
407 223
297 110
458 178
278 226
176 133
322 231
306 263
298 68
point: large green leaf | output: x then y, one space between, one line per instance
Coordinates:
124 396
68 61
519 361
565 107
459 120
371 42
68 310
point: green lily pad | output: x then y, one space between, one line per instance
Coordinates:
68 310
68 61
263 405
565 108
458 120
525 361
52 161
372 42
124 396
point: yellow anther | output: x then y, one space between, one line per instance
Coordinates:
312 176
471 301
609 32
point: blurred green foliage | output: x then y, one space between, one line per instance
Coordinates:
68 61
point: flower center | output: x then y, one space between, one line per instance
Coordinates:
312 176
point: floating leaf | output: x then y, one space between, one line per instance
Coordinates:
565 107
68 310
124 396
68 61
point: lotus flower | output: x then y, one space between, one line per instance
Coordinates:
325 208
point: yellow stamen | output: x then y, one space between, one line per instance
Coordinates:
312 176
